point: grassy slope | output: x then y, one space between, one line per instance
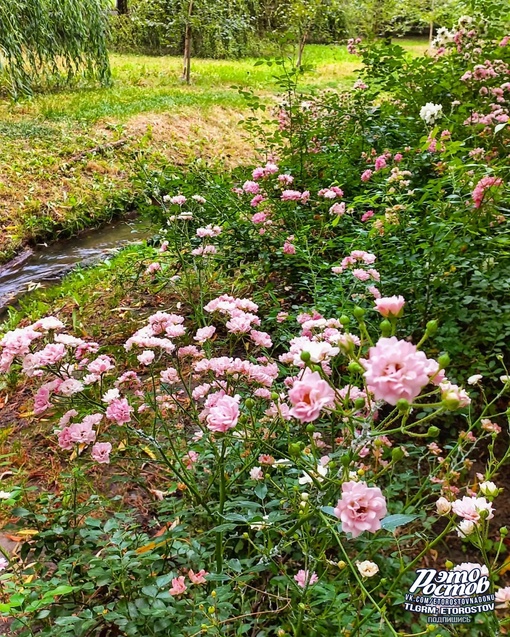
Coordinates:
45 188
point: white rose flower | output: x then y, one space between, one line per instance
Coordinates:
367 568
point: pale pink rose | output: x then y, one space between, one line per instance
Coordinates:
82 432
251 187
390 305
449 391
153 267
282 316
502 597
374 291
256 473
224 414
259 217
443 506
380 163
360 274
395 370
262 339
289 248
190 459
146 357
286 180
119 410
304 579
337 209
178 586
257 200
70 386
361 508
367 215
366 175
64 439
472 508
179 200
3 563
197 578
204 334
169 376
309 396
101 452
291 195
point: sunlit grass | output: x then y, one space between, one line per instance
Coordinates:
41 134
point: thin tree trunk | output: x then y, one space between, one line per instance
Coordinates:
186 71
301 48
431 24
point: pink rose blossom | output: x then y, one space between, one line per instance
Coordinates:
337 209
360 274
390 306
309 396
179 200
471 508
197 578
366 175
119 410
304 579
262 339
380 163
482 186
70 386
178 586
367 215
290 195
256 473
289 248
146 357
286 180
502 596
251 187
395 370
361 508
204 334
224 414
257 200
259 217
101 452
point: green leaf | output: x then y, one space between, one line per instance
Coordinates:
64 589
391 522
261 491
329 511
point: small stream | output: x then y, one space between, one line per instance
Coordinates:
45 265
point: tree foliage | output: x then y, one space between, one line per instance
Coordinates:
50 41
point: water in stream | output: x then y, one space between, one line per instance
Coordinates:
48 264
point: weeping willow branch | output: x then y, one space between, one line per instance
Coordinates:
45 43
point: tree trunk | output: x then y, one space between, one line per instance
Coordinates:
301 48
122 7
186 71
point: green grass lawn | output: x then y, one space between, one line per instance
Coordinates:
147 104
